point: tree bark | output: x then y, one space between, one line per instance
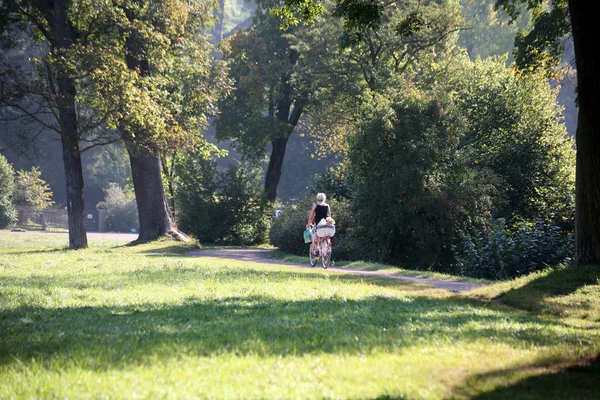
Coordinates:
274 169
154 212
63 35
587 204
289 112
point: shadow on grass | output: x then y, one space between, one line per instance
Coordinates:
257 325
166 251
552 379
33 252
558 282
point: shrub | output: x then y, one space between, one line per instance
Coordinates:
504 254
414 191
8 214
221 207
286 231
122 215
516 129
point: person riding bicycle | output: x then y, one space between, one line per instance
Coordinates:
319 211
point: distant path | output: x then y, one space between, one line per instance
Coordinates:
128 237
265 256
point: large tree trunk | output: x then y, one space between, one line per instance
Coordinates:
288 111
274 169
154 212
587 205
69 132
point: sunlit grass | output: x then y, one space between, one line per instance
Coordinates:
118 321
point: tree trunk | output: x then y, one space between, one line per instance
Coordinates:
154 212
288 111
274 169
587 204
69 131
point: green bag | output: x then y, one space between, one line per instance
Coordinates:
308 235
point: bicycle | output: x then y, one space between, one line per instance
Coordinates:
322 250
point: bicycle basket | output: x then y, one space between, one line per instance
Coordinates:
326 230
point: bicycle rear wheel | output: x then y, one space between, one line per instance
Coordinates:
326 254
312 257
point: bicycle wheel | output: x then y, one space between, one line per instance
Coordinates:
326 254
312 257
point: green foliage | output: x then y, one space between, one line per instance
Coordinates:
414 193
335 182
261 62
489 32
7 178
121 209
540 49
156 78
286 231
8 213
504 255
515 129
31 190
224 207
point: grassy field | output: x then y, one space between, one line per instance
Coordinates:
118 321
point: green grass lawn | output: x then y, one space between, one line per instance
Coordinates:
118 321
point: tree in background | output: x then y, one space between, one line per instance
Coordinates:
489 31
49 23
7 186
515 129
266 104
226 207
544 46
121 210
317 74
156 82
414 192
32 191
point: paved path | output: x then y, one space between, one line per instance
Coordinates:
265 256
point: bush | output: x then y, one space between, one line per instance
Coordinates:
122 214
221 207
516 129
286 231
8 214
504 254
414 191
